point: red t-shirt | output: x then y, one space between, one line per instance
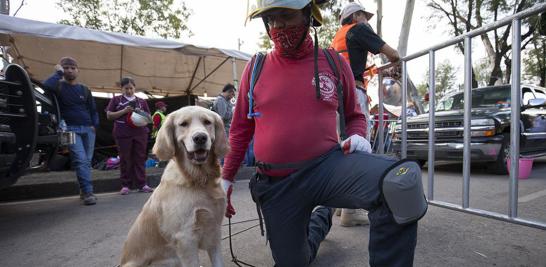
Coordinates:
157 121
294 125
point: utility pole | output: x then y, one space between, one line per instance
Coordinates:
379 18
4 7
239 43
4 10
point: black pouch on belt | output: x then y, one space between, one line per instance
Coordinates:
256 199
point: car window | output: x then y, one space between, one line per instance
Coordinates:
540 94
490 97
527 95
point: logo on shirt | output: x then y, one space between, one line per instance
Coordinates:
327 86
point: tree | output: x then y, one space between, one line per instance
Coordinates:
379 18
139 17
535 61
265 42
406 25
481 71
466 15
446 75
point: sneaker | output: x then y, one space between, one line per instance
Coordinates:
89 199
124 191
353 217
146 189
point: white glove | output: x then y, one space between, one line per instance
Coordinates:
227 186
356 143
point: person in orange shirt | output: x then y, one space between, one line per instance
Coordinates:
354 40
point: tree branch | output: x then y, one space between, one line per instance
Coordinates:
469 17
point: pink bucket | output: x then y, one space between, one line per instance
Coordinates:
525 167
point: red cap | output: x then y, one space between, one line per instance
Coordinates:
160 104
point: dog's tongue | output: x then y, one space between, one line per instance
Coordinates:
200 155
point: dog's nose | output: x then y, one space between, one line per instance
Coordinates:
199 138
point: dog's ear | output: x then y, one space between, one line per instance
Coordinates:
221 146
164 146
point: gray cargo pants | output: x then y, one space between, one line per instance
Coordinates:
336 180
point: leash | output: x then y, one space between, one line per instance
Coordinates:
233 257
243 221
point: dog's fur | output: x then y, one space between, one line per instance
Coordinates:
185 212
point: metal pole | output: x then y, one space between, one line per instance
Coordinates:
404 107
4 7
380 129
234 68
431 122
467 119
490 214
515 118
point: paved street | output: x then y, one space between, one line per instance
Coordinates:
61 232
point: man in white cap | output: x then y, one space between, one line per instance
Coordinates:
354 40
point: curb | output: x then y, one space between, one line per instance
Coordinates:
58 184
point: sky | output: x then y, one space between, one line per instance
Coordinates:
221 23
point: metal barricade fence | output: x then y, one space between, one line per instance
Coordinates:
389 130
515 21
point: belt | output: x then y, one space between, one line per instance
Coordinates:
269 178
264 166
281 166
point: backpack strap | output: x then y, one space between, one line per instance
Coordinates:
88 97
256 66
87 92
339 87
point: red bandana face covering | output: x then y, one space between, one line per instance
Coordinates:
287 39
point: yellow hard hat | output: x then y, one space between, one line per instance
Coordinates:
266 5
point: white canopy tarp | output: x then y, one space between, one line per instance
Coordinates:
160 67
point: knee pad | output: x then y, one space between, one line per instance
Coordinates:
402 191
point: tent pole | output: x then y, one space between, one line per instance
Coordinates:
188 94
212 72
194 72
121 65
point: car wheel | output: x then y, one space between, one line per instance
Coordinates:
499 166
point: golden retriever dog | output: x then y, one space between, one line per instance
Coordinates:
185 212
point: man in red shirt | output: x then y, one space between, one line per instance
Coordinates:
302 170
